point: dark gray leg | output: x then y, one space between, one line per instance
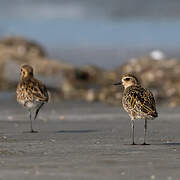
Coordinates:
30 117
132 132
37 110
31 125
145 132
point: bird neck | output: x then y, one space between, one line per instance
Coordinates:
26 78
131 85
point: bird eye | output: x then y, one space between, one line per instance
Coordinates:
127 79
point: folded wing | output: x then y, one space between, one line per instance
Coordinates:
142 100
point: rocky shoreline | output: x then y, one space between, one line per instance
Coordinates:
89 82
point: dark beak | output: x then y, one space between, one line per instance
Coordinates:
118 83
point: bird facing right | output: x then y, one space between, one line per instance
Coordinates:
138 102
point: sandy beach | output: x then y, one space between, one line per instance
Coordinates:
86 141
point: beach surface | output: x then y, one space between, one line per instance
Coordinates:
86 141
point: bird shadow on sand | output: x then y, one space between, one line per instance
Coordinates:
172 144
29 132
77 131
157 144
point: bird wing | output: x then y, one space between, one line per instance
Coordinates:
143 100
38 90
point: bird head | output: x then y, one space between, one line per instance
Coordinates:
128 80
26 72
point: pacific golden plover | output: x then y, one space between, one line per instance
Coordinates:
138 102
31 93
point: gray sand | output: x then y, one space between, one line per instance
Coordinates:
81 141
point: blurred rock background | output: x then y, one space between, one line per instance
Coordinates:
90 83
80 48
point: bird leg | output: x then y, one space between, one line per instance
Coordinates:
31 123
132 130
37 111
145 132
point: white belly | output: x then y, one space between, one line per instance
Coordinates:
32 105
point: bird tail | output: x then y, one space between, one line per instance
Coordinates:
154 114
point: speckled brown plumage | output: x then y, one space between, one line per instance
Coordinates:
137 101
30 92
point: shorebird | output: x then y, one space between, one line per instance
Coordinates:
31 93
138 102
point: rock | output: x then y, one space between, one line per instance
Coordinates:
22 47
94 84
90 83
91 95
15 51
110 95
157 55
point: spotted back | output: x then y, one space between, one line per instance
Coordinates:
139 102
31 90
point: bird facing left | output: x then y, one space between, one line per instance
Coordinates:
31 93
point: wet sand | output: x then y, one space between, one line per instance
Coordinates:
82 141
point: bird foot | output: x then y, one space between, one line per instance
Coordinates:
133 143
33 131
145 143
